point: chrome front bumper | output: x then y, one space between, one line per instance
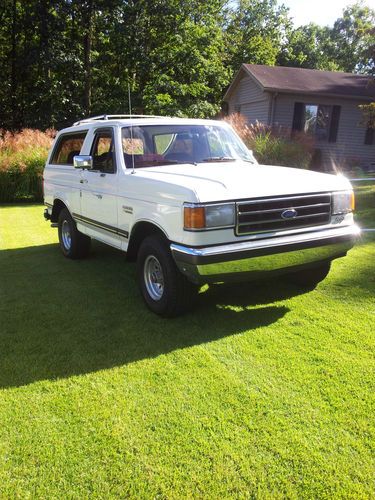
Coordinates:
259 258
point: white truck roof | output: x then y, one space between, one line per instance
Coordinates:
123 120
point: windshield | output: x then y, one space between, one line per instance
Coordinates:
154 145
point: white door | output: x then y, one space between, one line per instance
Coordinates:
99 190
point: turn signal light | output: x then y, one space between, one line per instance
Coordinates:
194 218
352 201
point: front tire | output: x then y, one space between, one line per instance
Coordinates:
310 277
73 244
164 289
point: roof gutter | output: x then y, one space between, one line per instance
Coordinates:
320 94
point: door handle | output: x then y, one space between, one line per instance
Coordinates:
98 195
83 181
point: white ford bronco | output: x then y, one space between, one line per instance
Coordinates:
187 200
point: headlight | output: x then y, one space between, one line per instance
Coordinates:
208 216
342 202
220 215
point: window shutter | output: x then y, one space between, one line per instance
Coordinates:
298 116
369 136
334 123
225 108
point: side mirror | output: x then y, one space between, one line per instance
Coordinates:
82 161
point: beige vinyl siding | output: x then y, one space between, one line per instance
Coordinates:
351 134
250 100
255 111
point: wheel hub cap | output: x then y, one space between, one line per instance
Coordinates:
65 235
153 277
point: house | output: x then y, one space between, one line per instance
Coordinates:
324 103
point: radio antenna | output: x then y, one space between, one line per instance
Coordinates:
131 129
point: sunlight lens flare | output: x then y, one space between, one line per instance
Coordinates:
343 202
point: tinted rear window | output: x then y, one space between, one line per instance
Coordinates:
67 147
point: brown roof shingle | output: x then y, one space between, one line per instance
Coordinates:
311 81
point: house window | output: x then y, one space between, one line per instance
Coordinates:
317 120
320 120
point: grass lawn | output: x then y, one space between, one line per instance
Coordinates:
263 391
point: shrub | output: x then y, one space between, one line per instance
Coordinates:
22 158
274 145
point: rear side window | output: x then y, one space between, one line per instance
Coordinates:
67 147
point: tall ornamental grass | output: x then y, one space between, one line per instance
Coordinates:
274 145
22 158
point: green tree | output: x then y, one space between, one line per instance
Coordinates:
309 46
368 111
347 46
255 31
171 54
353 36
188 72
42 82
64 59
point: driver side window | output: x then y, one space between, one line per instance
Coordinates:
103 151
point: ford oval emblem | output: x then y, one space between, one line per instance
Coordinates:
290 213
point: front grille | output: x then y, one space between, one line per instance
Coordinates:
264 214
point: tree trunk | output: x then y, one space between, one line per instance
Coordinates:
87 42
44 58
13 78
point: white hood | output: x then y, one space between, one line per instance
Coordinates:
240 180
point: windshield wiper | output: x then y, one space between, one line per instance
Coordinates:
162 163
218 158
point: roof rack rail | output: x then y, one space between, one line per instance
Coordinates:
111 117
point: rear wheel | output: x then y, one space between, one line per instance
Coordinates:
310 277
73 244
164 289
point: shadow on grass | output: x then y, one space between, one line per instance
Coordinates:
60 318
359 272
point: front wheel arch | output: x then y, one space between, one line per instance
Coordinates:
139 232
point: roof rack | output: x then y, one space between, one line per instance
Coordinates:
111 117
